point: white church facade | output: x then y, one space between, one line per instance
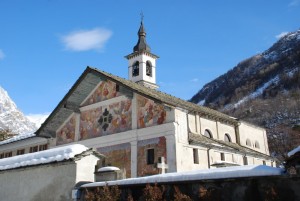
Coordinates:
144 131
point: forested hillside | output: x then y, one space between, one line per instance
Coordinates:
264 90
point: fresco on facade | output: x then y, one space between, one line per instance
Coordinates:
106 120
106 90
67 133
160 149
118 156
149 113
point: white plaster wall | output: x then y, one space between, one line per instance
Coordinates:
142 58
225 128
181 126
185 157
192 123
86 168
210 125
51 182
47 183
254 133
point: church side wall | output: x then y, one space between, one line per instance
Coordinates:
185 151
254 134
226 129
45 182
210 125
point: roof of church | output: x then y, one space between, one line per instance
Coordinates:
17 138
142 44
89 80
217 144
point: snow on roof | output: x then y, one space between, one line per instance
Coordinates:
108 168
294 151
17 138
226 162
217 173
42 157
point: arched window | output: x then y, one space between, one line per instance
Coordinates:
256 145
248 142
135 69
227 137
207 133
149 68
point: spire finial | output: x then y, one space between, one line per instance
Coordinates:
141 44
142 16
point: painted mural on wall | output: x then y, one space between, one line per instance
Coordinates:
160 149
149 113
105 90
118 156
67 133
106 120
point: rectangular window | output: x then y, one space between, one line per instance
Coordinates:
20 151
2 155
196 156
33 149
222 157
264 162
8 154
150 156
43 147
245 159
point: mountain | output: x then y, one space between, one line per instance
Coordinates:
38 119
11 117
264 90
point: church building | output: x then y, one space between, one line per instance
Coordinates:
144 131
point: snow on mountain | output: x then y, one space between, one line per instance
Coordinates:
253 76
38 119
11 117
263 90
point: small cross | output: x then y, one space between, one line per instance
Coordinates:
142 16
162 165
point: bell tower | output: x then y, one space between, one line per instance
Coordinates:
142 63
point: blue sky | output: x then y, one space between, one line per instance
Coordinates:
45 45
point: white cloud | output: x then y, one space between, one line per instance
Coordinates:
281 34
194 80
294 3
84 40
2 55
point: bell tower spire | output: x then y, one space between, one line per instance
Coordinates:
142 63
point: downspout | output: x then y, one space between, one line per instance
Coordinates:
208 158
237 133
187 123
